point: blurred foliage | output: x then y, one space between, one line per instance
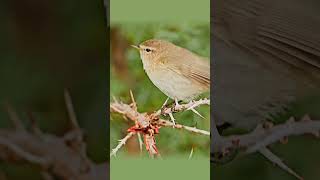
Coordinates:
45 47
194 37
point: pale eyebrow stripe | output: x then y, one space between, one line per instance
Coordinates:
144 47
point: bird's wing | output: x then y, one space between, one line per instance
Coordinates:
267 53
287 30
193 67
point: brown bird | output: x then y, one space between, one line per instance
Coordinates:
266 55
177 72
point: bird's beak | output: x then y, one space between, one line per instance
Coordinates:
137 47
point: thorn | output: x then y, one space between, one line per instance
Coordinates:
133 100
35 129
191 153
125 118
306 118
14 117
291 120
192 109
140 142
70 109
172 119
115 99
276 160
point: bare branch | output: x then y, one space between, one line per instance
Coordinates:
130 113
279 132
145 120
121 143
61 157
182 107
261 137
179 126
148 125
24 154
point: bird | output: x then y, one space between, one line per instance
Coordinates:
179 73
266 56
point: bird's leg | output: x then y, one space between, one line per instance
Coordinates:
173 105
176 106
164 105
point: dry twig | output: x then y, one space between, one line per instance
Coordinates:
61 157
121 143
148 125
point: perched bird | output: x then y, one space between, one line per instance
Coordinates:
177 72
266 55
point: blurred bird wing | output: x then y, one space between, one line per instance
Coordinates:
272 30
267 56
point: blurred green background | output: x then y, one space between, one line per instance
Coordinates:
142 11
45 47
127 73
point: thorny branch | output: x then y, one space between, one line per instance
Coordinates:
58 157
256 141
261 137
121 143
148 124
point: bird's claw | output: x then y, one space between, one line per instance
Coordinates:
176 106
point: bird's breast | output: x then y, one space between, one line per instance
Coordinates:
172 84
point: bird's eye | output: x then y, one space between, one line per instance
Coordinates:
148 50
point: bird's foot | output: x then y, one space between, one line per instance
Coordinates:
165 105
173 106
176 106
